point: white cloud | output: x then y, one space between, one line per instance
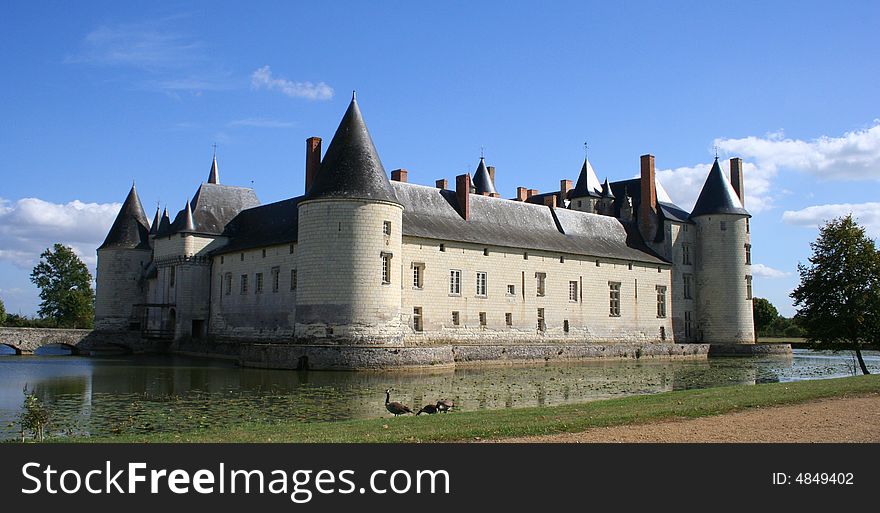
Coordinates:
260 123
867 214
262 79
30 225
766 271
853 156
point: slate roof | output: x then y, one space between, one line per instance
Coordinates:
668 209
214 174
130 230
718 196
164 224
432 213
266 225
351 168
482 181
154 226
587 183
213 207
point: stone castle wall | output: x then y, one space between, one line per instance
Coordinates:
117 278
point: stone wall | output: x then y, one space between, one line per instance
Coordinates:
588 316
724 310
117 286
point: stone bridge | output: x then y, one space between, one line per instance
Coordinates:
28 340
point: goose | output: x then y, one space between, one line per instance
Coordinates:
445 405
428 408
393 406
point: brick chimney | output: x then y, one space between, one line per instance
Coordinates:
736 178
442 183
564 187
648 202
550 200
313 160
522 194
399 175
532 192
491 170
463 195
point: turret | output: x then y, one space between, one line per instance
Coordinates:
121 261
587 191
722 264
606 201
484 182
349 246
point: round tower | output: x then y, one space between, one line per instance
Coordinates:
349 246
121 262
722 273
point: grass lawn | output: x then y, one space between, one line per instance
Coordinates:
492 424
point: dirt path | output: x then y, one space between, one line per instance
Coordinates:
854 419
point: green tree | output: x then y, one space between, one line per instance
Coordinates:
65 288
765 314
839 292
2 313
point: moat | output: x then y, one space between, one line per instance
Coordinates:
143 394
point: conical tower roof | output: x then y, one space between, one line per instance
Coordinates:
718 196
588 183
482 180
184 222
130 230
164 224
154 226
214 175
351 167
606 190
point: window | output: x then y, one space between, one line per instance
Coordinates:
748 287
241 256
485 251
228 278
417 318
687 286
748 254
573 291
688 328
259 288
525 256
511 290
386 229
508 319
275 273
723 226
221 259
684 227
386 268
455 282
541 279
418 273
580 204
661 301
483 319
456 319
291 249
442 247
171 276
747 225
244 288
614 298
481 284
541 325
264 253
686 254
293 279
565 325
562 260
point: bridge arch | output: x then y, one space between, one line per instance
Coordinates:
47 345
11 346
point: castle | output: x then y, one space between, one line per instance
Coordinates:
363 271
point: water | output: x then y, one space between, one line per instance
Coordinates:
144 394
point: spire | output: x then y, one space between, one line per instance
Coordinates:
164 224
154 227
130 230
718 196
351 167
606 190
188 224
482 179
587 184
214 175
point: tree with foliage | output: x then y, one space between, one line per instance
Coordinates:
839 293
765 315
65 288
35 415
2 313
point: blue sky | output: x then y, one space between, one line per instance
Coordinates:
97 94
